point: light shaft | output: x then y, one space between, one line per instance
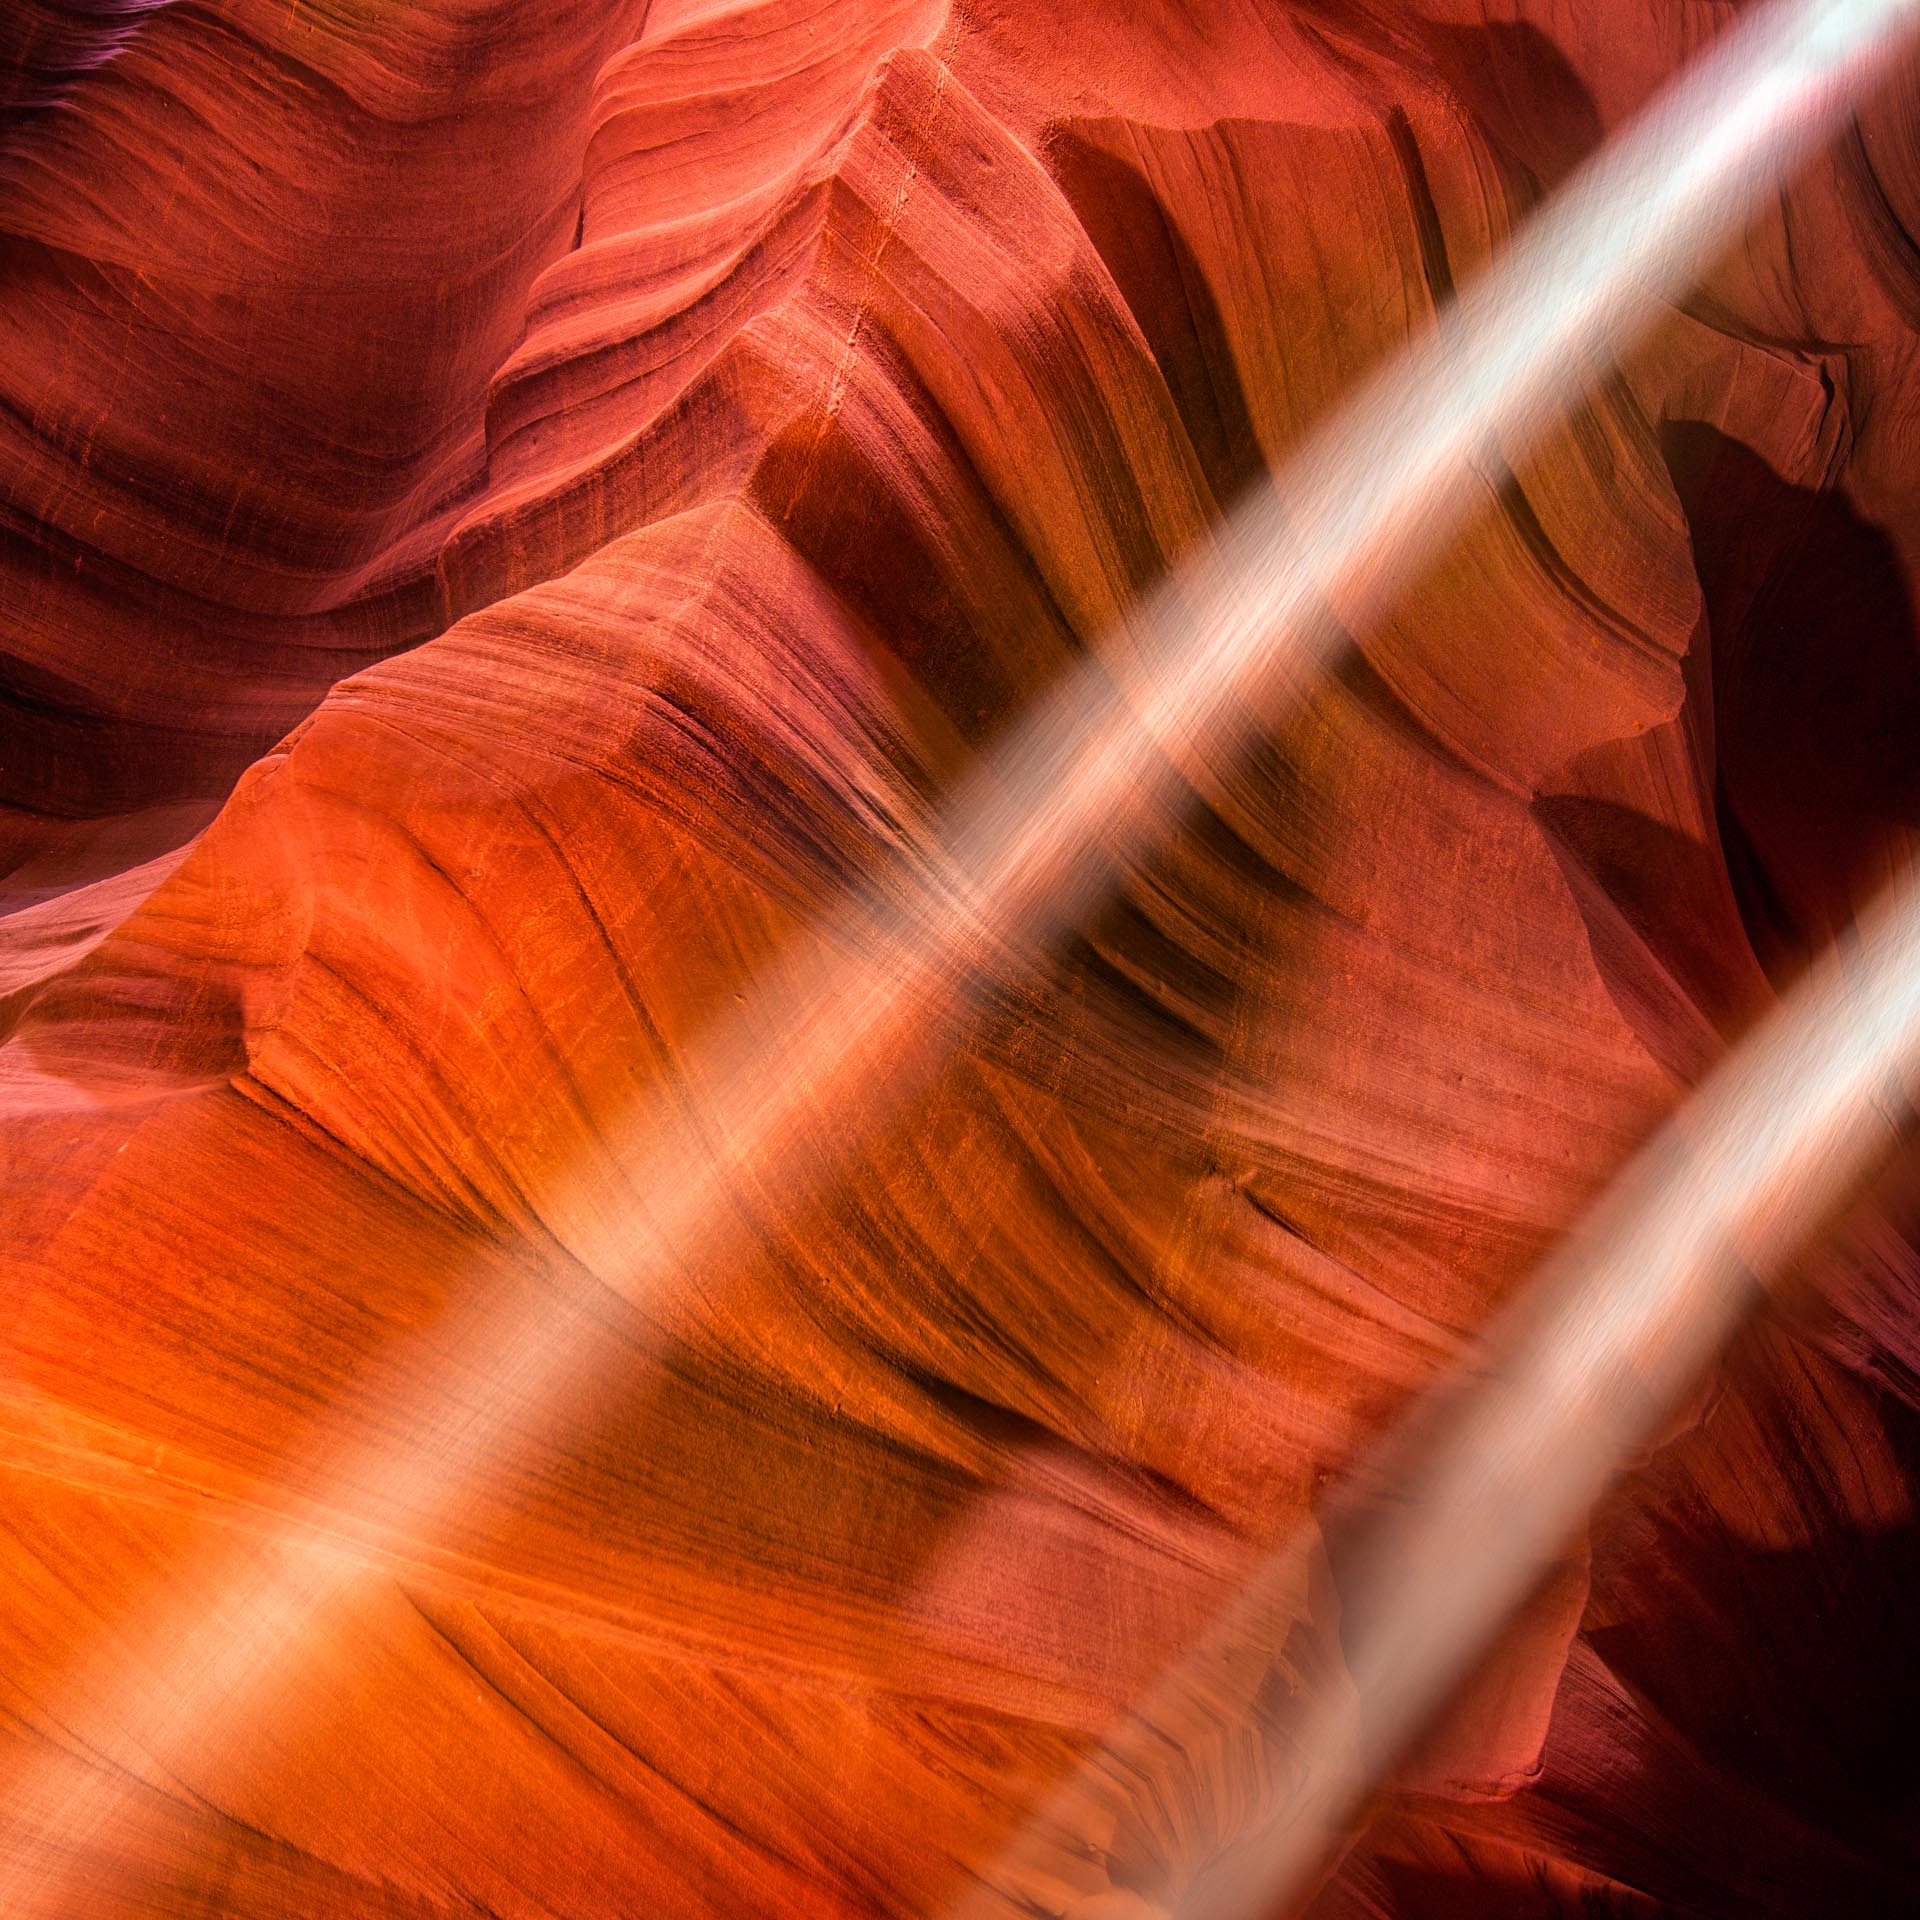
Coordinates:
1488 1480
1076 791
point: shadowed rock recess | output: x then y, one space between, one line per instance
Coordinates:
507 512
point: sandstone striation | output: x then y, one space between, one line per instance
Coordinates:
507 513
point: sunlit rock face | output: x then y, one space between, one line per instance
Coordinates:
510 513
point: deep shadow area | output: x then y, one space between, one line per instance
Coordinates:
1523 93
1168 295
1818 1707
1816 690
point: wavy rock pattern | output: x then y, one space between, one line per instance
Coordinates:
507 513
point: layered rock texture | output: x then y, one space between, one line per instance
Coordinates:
508 512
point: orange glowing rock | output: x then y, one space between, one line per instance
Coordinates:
509 512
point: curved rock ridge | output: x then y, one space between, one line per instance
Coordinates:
511 515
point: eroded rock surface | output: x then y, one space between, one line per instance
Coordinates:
510 511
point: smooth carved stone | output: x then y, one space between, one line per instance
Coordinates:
508 514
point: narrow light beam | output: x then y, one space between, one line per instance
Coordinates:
1216 652
1490 1477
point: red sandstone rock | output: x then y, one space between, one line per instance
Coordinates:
545 496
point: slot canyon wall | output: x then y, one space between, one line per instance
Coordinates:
508 512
